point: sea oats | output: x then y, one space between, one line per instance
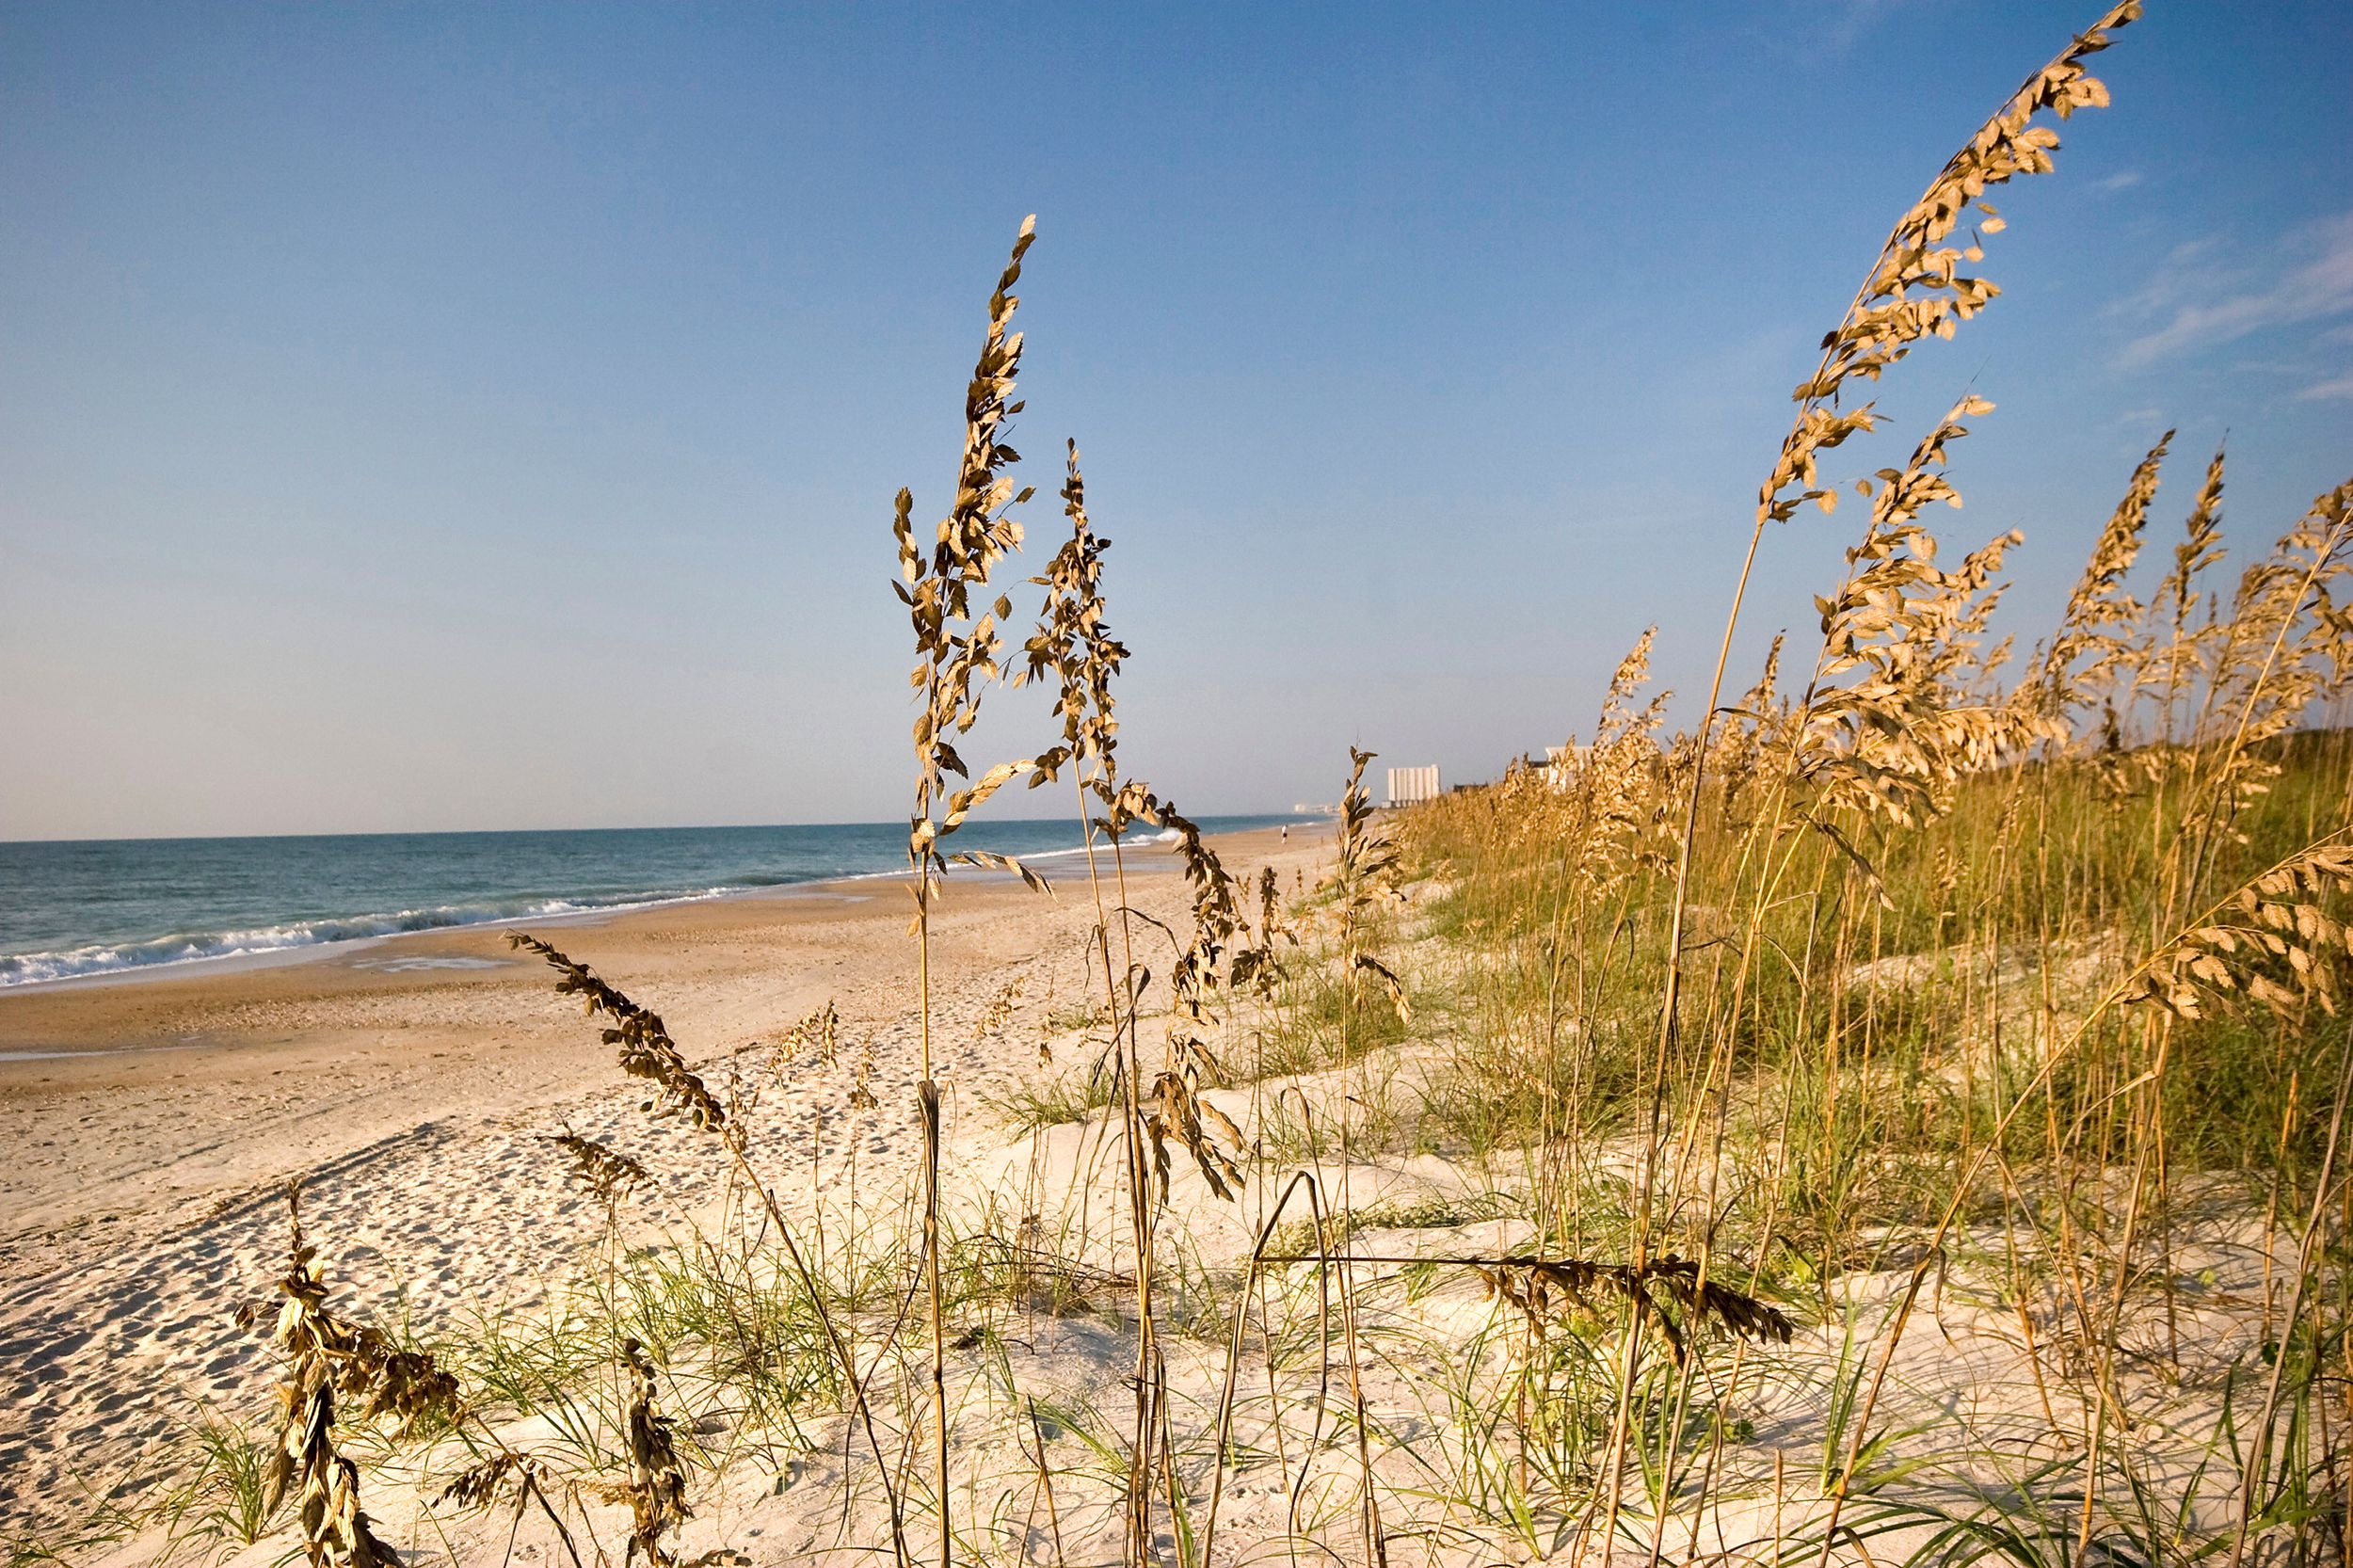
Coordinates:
326 1357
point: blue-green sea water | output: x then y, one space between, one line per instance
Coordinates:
101 906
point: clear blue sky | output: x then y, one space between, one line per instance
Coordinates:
416 417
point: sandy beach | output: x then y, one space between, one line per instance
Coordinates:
414 1084
153 1123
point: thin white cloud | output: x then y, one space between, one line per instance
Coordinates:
1839 27
2124 178
2317 285
2340 387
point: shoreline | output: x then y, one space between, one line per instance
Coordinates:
453 954
294 953
305 949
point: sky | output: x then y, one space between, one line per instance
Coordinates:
418 418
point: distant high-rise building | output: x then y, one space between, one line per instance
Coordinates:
1408 785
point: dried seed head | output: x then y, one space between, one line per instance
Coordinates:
1666 1294
326 1357
958 651
2082 663
818 1034
999 1009
657 1476
1915 289
609 1173
2278 941
646 1047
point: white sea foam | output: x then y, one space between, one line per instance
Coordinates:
1031 858
32 968
419 962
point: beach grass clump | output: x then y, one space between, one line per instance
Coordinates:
217 1494
1056 1099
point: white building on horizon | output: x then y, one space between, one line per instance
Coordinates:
1410 785
1561 764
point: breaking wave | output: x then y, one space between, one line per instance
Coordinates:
29 968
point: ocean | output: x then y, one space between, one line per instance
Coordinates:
102 906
